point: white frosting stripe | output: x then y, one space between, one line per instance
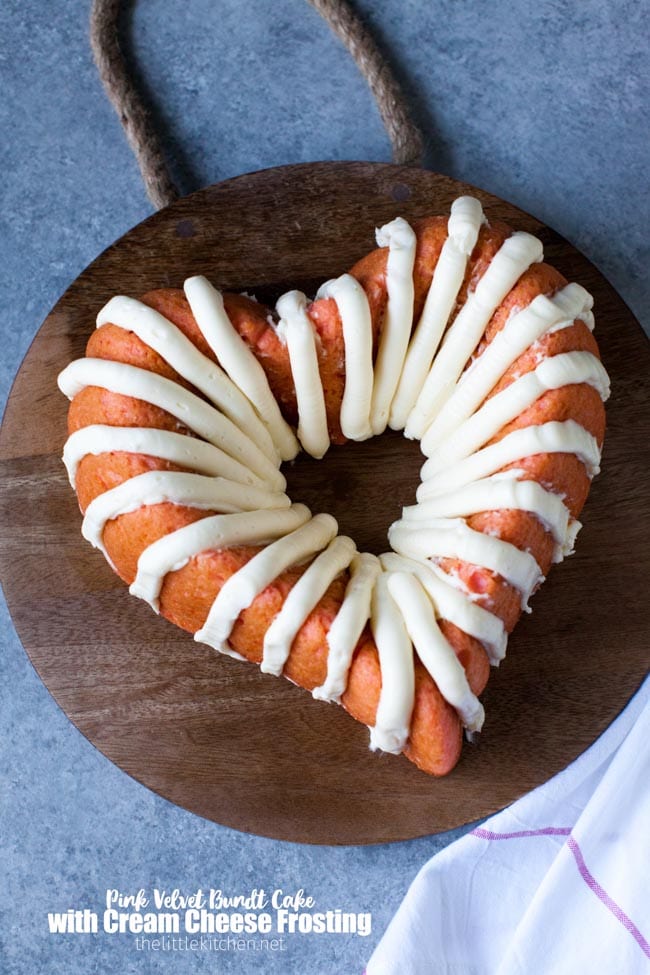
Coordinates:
401 241
181 354
297 330
454 605
452 538
239 591
439 476
515 256
177 448
238 361
302 599
397 695
568 368
433 649
463 228
492 494
353 307
518 334
173 551
191 411
192 490
348 624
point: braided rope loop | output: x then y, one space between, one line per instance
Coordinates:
120 88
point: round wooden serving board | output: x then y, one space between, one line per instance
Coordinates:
218 737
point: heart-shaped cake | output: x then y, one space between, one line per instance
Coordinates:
453 330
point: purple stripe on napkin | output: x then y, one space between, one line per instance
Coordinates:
602 895
487 834
591 882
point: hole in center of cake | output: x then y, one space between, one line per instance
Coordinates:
363 485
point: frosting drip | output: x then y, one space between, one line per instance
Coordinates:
451 604
451 538
398 319
173 551
302 599
395 650
348 625
553 437
464 224
163 337
158 487
238 361
433 650
191 411
241 588
296 329
352 303
178 448
515 256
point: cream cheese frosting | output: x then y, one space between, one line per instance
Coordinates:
175 348
296 329
464 224
434 651
177 448
393 718
191 411
348 625
513 258
400 239
308 538
353 307
427 380
242 367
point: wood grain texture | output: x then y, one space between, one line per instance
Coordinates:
218 737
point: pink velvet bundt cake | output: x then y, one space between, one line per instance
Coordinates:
453 330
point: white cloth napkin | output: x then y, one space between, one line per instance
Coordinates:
559 882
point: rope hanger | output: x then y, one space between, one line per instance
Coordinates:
405 137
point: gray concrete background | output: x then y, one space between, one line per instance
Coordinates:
545 104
